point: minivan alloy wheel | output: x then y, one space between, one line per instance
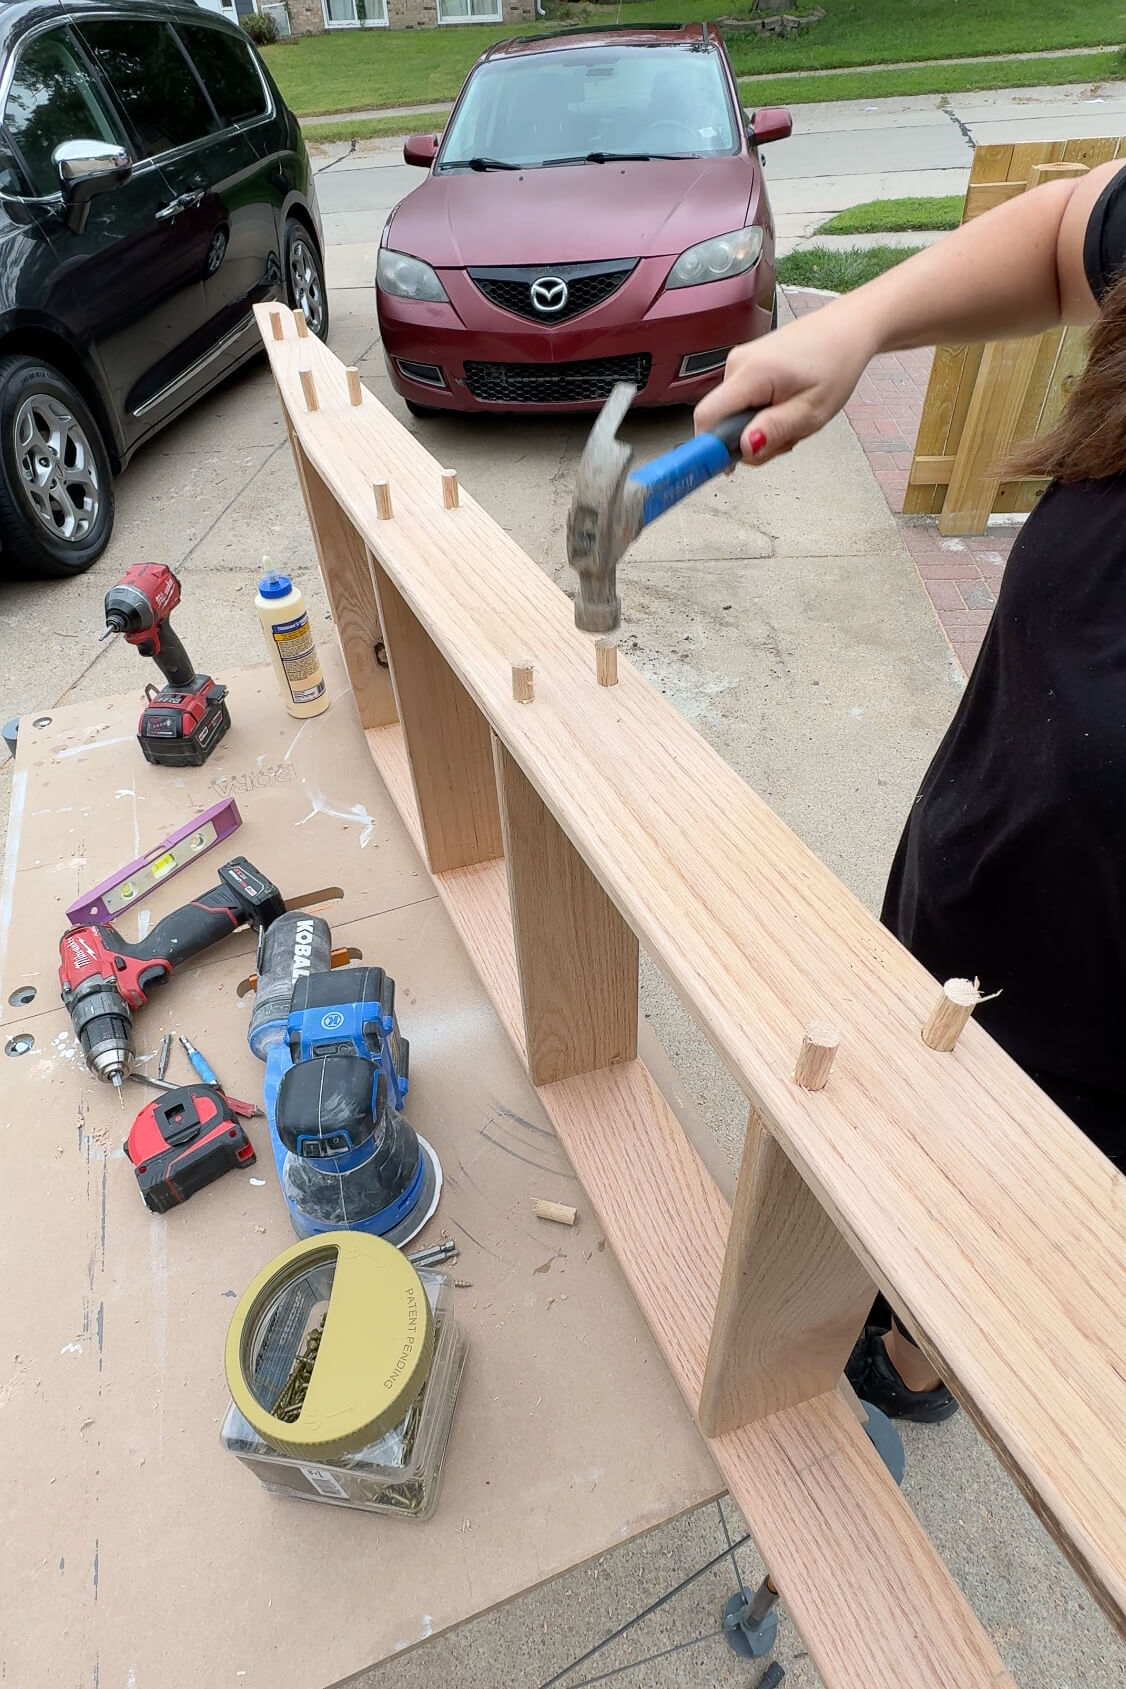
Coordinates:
305 284
57 467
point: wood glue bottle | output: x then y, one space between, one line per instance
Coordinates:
293 650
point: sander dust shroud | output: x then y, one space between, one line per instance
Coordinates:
336 1080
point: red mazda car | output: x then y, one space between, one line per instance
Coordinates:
595 212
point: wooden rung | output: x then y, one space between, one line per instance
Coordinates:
309 389
355 390
606 661
449 489
815 1059
301 325
523 683
561 1213
276 328
382 493
959 999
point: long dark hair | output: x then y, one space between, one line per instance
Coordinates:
1089 440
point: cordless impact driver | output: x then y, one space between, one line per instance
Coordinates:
184 721
104 978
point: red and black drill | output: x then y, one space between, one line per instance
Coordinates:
184 721
104 978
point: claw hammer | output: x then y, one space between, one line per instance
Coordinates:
612 502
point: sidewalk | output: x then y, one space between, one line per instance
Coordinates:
961 577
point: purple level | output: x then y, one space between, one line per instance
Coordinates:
134 882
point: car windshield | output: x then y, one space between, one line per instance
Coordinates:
592 103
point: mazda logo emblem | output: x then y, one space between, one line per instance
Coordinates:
549 295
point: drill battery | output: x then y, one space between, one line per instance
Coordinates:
181 725
183 1141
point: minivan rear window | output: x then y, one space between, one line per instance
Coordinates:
153 82
228 70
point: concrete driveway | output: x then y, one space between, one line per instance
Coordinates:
782 615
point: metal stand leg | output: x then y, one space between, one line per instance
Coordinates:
750 1623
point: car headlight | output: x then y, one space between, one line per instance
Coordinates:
406 277
715 260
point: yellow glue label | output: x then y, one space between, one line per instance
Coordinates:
298 652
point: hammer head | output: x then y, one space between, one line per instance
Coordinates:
605 516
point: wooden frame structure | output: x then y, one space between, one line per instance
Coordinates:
567 817
982 400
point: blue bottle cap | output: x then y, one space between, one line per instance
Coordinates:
275 586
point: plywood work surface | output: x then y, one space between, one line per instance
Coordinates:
991 1222
112 1325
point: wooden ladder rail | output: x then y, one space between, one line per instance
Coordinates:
890 1172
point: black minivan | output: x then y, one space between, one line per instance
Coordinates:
153 188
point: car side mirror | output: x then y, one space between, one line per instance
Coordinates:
421 150
87 168
769 123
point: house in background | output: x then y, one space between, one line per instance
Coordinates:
307 17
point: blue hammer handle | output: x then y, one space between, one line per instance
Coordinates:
671 477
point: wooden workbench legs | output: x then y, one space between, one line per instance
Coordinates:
792 1298
576 957
344 569
448 741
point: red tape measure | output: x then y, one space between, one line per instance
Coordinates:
184 1140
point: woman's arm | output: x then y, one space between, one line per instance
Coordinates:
1013 271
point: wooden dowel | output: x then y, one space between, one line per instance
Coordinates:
449 489
818 1048
557 1211
523 685
276 325
606 661
960 997
355 391
382 492
309 388
301 325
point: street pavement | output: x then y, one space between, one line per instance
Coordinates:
784 618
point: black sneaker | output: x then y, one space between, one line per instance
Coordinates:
875 1380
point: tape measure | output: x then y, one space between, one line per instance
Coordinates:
373 1355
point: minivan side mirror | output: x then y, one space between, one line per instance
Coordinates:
87 168
769 123
421 150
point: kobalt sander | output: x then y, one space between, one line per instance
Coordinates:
612 502
336 1080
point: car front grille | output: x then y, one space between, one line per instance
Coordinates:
591 379
587 285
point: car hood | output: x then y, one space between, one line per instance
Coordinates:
573 214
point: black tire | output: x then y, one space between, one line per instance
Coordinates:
774 315
423 412
305 278
55 474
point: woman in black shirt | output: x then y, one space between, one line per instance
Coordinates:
1013 859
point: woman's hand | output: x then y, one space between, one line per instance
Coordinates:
797 378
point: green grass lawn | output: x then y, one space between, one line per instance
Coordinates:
815 266
933 79
347 71
368 128
894 216
856 32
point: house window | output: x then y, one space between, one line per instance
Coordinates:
470 11
355 14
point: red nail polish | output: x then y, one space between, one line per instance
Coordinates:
757 442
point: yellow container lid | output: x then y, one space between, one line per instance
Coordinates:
374 1353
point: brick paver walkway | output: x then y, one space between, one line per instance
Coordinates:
961 577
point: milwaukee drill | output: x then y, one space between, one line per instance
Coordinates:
104 978
183 722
